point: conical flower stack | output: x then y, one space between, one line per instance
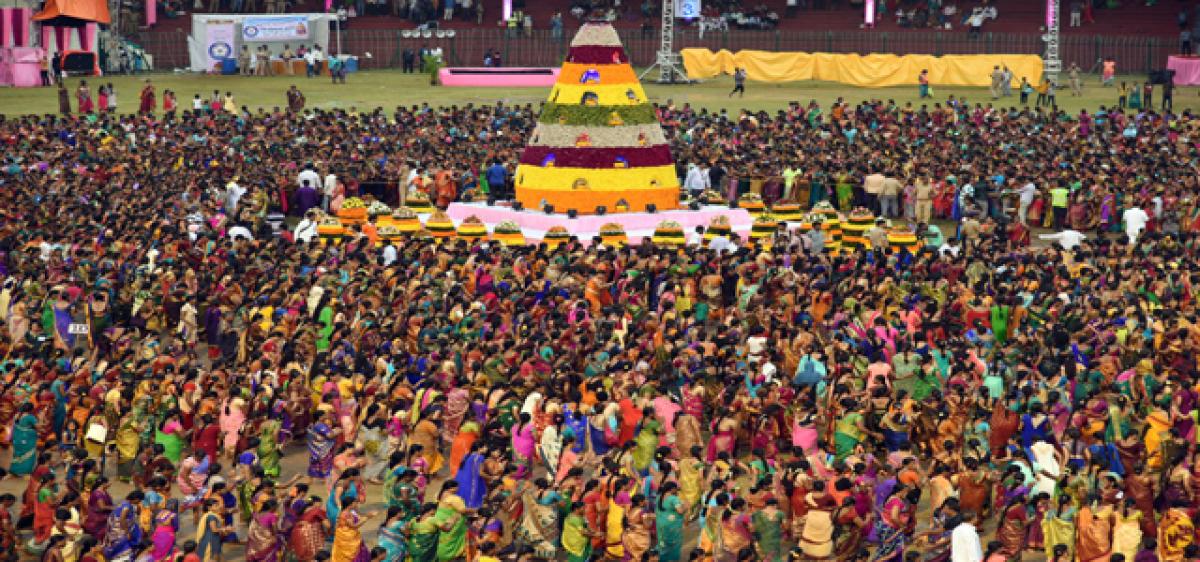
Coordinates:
598 140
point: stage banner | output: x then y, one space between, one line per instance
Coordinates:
687 9
275 28
218 43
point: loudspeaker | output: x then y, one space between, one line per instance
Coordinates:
517 206
572 213
80 63
601 209
651 208
491 201
1162 76
549 209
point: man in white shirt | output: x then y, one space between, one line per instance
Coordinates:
1135 220
306 230
318 56
233 194
721 244
1068 238
697 181
328 188
389 254
873 186
310 175
240 231
964 541
1027 192
308 64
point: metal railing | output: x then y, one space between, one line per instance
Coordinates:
1134 54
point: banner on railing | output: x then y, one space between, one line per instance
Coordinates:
218 43
275 28
687 9
869 71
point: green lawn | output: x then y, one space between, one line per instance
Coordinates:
367 90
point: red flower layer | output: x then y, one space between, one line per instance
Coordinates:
582 157
597 55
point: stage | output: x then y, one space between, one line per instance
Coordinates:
535 224
499 77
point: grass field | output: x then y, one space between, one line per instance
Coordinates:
387 89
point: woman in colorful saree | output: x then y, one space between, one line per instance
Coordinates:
893 524
1127 530
348 545
428 436
1012 532
639 525
269 451
210 530
308 533
669 516
423 536
1093 535
124 533
1058 527
539 523
24 442
1175 533
262 539
99 507
816 541
452 520
169 434
129 441
391 535
523 444
849 430
471 486
467 435
166 524
576 536
322 438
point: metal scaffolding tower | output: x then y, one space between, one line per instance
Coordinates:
1052 61
667 61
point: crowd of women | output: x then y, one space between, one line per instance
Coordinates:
161 375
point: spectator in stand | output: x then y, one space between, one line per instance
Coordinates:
976 23
1076 13
556 26
948 13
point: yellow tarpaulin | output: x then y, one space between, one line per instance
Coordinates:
869 71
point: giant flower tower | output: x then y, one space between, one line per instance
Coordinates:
598 142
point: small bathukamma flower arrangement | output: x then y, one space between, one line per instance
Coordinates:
472 229
555 236
508 233
440 226
353 211
718 226
419 202
669 233
613 234
763 229
752 202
